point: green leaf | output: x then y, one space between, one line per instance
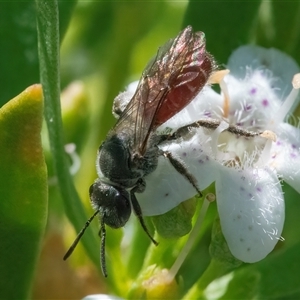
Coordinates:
19 58
287 22
48 38
276 277
227 25
278 26
244 286
23 190
280 274
19 55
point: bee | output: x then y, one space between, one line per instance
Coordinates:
131 150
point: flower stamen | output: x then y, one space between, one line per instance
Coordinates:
192 237
269 135
226 105
218 77
288 103
296 81
265 154
215 136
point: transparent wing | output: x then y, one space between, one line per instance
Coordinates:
170 81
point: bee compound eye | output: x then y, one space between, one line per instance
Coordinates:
112 202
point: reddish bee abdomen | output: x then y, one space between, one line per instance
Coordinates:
185 87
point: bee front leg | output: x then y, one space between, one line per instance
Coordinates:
139 188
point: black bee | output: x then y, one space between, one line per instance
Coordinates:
130 152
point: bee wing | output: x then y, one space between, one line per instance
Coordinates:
169 82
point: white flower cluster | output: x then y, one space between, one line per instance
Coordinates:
246 169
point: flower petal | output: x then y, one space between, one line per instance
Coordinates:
251 208
166 187
253 101
121 101
285 154
282 66
101 297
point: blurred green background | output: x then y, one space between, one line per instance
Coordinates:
104 46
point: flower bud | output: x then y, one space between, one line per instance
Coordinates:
155 283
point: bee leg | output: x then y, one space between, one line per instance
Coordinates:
180 168
209 124
139 188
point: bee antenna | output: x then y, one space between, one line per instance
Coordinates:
80 234
102 233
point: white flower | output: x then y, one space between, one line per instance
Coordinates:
101 297
246 170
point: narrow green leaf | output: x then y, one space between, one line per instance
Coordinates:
23 190
48 38
19 58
